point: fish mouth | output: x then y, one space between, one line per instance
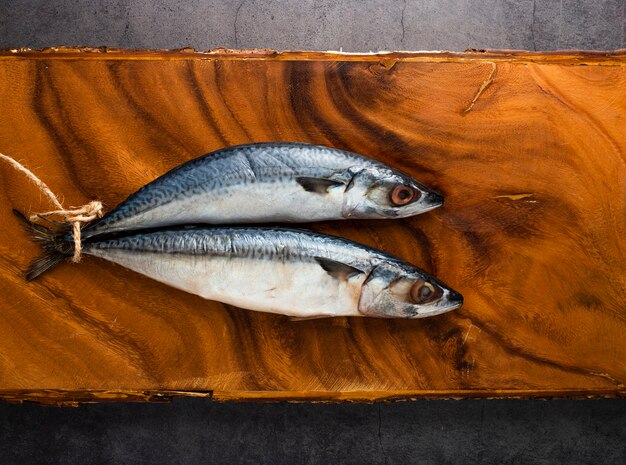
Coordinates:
454 301
434 199
428 202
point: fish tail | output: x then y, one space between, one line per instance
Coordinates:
55 247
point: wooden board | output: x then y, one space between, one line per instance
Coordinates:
529 150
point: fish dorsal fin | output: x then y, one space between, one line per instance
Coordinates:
322 184
337 269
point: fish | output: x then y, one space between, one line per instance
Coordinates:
298 273
270 182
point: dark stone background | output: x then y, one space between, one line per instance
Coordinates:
199 431
354 25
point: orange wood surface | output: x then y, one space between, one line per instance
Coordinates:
528 149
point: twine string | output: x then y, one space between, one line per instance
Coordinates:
76 216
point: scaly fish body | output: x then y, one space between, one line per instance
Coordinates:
245 268
270 182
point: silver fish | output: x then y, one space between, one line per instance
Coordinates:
270 182
297 273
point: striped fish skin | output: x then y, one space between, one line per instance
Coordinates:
297 273
270 182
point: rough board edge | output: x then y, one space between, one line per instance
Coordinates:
565 57
60 398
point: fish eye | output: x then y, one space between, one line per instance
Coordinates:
424 292
402 195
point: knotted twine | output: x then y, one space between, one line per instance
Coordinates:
76 216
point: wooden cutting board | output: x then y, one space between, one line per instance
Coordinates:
529 150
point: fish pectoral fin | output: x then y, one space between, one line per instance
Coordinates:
318 185
337 269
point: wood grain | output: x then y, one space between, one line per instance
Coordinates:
533 232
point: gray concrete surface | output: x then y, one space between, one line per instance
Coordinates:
353 25
198 431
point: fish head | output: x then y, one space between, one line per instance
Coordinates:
398 290
387 193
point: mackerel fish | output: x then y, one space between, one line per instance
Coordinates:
270 182
298 273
